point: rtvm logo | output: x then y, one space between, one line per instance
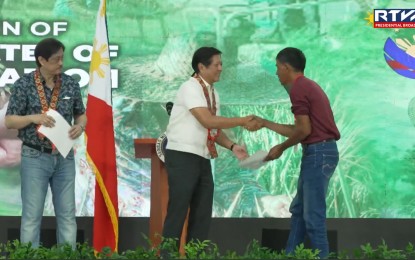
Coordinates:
394 18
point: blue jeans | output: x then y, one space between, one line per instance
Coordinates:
308 208
38 170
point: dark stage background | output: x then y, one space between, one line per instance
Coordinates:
236 233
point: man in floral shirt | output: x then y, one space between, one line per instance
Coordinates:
42 164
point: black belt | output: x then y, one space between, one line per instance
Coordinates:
324 141
40 148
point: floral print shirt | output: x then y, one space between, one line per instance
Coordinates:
24 100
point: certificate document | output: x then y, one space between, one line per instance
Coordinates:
254 161
59 134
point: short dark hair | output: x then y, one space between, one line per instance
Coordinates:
293 56
203 55
46 48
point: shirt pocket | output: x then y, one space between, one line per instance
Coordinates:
65 107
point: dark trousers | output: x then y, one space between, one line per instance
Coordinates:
190 188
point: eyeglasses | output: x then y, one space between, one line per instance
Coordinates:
56 59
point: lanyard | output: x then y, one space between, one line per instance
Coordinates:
212 133
42 96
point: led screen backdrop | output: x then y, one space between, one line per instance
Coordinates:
152 42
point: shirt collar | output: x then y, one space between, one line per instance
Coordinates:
207 84
298 77
55 78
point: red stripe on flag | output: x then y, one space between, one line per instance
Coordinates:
102 158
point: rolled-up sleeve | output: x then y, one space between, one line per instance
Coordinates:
78 105
300 102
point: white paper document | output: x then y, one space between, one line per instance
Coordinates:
59 134
254 161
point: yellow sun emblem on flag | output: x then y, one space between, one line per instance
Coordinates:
370 18
97 60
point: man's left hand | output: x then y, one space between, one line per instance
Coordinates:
274 153
240 152
75 131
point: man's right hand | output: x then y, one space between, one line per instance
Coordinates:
43 119
254 124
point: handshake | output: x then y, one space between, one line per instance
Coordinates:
253 123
